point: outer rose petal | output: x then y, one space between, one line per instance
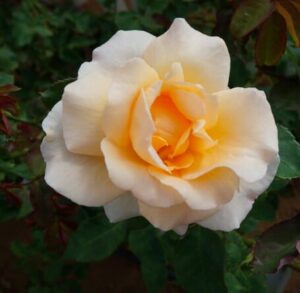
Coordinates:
83 103
204 59
127 84
246 133
130 173
122 208
82 179
231 215
206 192
120 48
245 118
172 217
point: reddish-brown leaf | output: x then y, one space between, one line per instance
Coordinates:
271 41
292 18
249 15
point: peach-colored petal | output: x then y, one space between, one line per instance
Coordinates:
119 49
231 215
83 179
246 135
141 132
83 103
206 192
204 59
246 119
172 217
130 173
123 92
170 124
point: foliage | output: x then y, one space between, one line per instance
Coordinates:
42 44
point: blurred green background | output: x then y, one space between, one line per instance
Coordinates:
49 244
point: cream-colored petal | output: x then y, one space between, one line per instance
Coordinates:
123 92
246 136
123 207
178 216
231 215
83 179
181 230
206 192
119 49
141 131
175 74
83 103
246 119
204 59
188 103
130 173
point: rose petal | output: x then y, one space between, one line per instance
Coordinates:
83 103
128 172
122 208
246 119
141 132
83 179
246 134
124 90
207 192
204 59
231 215
119 49
172 217
175 74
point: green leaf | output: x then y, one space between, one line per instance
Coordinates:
127 20
7 59
239 74
95 239
277 242
289 151
273 31
26 206
263 210
6 79
199 261
153 6
249 15
146 246
53 94
245 281
20 170
236 250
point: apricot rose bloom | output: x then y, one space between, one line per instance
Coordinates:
151 128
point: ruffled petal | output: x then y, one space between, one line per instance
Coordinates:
83 179
120 48
129 173
83 103
246 136
206 192
124 90
141 131
204 59
231 215
175 217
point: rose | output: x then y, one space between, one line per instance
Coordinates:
151 128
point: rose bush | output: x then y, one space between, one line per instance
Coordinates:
151 128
